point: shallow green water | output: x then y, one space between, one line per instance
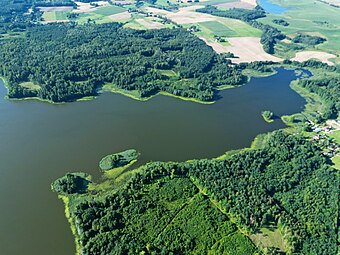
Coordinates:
41 142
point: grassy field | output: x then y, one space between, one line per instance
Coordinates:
310 16
336 162
55 15
109 10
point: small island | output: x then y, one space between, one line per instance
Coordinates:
118 159
267 116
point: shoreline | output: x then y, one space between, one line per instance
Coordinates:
66 200
250 74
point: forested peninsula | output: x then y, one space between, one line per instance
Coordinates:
213 206
67 61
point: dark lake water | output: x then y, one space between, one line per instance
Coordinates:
270 7
41 142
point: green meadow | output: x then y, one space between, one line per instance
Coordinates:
311 17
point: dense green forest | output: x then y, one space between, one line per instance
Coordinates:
13 17
235 13
169 208
70 61
308 39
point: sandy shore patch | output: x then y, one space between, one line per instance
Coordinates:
120 16
246 49
322 56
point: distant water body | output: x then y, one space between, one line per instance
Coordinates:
271 7
41 142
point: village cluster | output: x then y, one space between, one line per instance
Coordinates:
321 137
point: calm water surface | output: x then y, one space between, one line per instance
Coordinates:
41 142
270 7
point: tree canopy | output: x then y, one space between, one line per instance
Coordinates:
70 61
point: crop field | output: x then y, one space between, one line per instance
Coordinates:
109 10
321 56
218 28
122 16
53 16
215 2
309 16
242 5
99 19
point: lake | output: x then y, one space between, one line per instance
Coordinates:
41 142
270 7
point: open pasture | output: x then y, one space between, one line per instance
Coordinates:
307 16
